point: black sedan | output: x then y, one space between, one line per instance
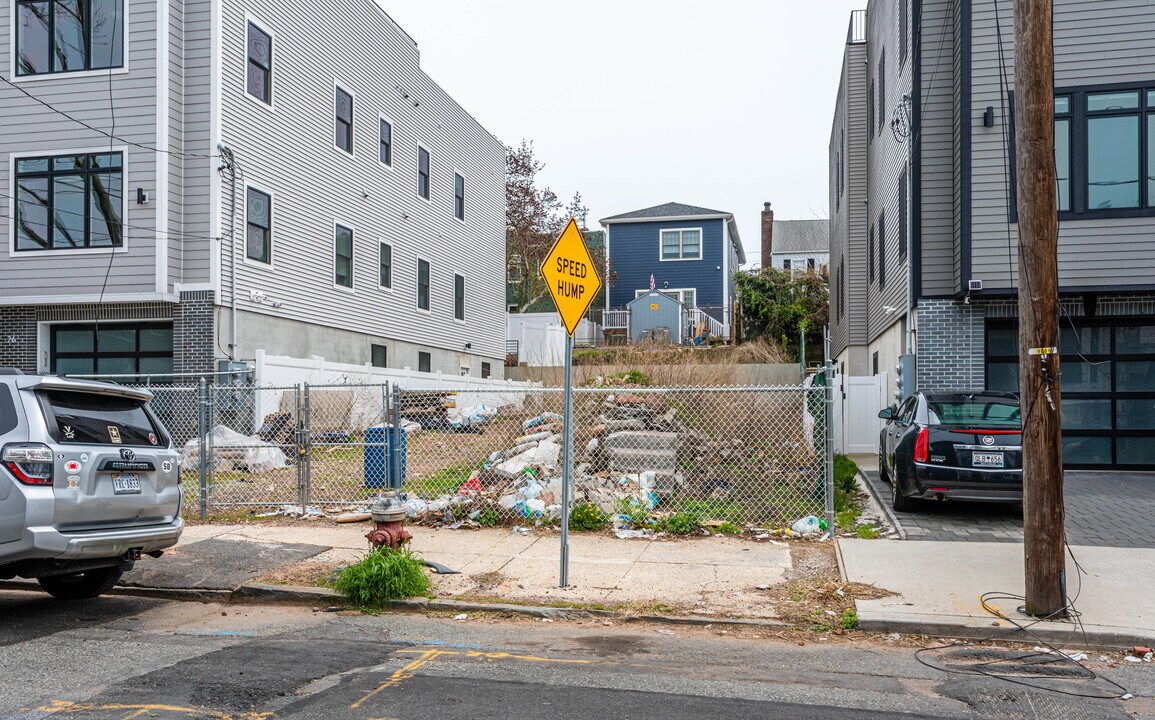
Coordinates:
952 446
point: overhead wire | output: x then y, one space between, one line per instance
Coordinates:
117 229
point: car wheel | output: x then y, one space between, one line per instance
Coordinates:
900 502
82 585
882 473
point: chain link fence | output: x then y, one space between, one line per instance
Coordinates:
643 456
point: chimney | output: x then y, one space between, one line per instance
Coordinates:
767 234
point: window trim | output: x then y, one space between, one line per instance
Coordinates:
456 175
392 265
70 252
372 348
123 69
352 257
245 224
427 354
263 27
352 151
882 249
680 230
48 330
392 142
455 317
428 174
417 286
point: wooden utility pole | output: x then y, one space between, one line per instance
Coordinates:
1039 309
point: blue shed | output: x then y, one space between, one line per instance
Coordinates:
658 313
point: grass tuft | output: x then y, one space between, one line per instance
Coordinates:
384 574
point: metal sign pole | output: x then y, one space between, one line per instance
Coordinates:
566 459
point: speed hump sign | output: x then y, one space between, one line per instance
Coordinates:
571 276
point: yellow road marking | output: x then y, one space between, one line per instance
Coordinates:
404 673
135 711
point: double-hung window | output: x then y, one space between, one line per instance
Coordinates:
58 36
258 226
422 172
682 244
458 297
343 256
386 155
423 284
66 202
343 121
260 66
385 265
458 196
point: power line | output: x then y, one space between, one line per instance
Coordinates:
175 234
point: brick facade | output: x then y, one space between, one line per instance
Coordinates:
193 333
18 338
951 345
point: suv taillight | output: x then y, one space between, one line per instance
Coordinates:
922 446
30 463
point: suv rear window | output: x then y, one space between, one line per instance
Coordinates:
93 419
8 420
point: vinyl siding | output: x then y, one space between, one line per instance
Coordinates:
289 152
886 158
634 248
936 236
193 174
174 223
126 101
1104 41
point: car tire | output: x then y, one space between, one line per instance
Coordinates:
900 502
82 585
882 472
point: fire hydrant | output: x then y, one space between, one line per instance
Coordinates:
388 512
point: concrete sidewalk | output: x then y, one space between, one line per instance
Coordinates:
713 576
940 585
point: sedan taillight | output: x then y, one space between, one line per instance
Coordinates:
30 463
922 446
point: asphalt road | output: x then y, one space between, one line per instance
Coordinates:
125 658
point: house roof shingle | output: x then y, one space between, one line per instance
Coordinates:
670 209
801 236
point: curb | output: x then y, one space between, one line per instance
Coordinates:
882 505
1055 634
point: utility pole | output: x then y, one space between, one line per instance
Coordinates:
1039 310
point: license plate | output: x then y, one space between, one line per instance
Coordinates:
989 460
125 484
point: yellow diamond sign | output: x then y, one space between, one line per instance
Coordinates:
570 276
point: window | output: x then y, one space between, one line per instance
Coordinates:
882 90
485 370
59 36
458 297
423 362
260 68
423 284
343 257
870 253
385 266
870 113
379 355
258 226
1063 151
343 111
810 264
458 196
874 363
386 155
67 202
786 264
882 249
1114 136
903 24
681 244
902 219
422 172
113 348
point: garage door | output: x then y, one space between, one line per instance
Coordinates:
1108 387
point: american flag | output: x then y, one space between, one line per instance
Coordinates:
652 281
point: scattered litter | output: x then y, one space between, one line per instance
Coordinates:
1126 696
462 616
629 534
549 620
664 631
807 525
1078 657
519 529
440 569
894 636
1132 658
268 514
352 517
762 587
1140 650
839 593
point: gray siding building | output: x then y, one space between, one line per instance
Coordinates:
935 79
169 166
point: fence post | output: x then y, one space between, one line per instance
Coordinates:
398 439
306 460
202 432
299 443
829 434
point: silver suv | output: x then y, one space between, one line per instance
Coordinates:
89 481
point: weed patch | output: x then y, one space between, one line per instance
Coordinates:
383 575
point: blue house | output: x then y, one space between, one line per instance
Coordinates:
689 253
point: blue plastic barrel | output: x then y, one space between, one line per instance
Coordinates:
381 452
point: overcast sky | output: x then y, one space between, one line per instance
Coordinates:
723 104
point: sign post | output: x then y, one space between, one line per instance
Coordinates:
573 281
